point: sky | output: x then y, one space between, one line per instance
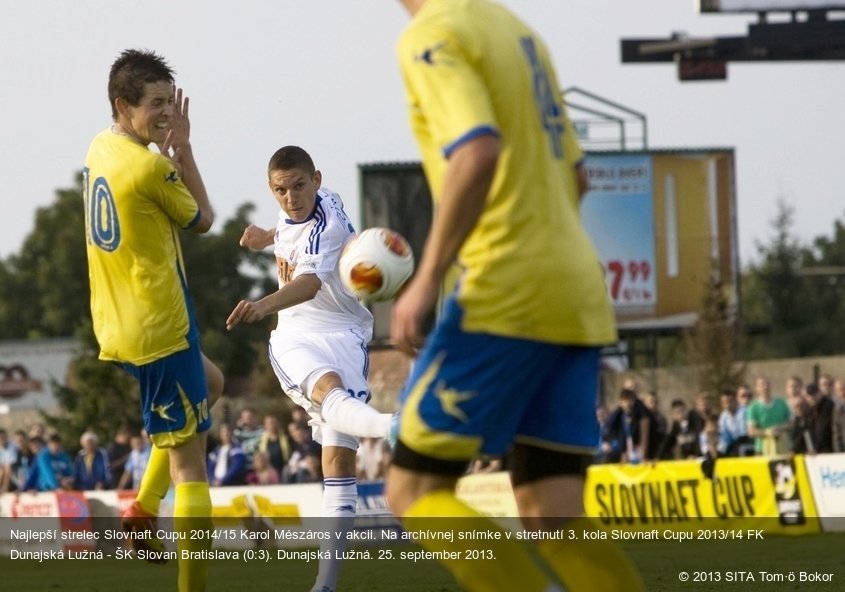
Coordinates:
322 74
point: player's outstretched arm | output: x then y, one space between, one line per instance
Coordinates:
297 291
469 175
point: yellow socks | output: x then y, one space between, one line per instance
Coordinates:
191 513
587 565
479 553
156 480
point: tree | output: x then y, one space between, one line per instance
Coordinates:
778 298
715 342
824 271
9 323
98 396
220 273
45 286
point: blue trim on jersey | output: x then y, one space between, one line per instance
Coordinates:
316 232
193 326
195 219
483 130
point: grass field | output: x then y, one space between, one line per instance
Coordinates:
659 561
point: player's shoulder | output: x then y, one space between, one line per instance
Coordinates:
329 197
330 208
102 137
435 20
439 17
151 165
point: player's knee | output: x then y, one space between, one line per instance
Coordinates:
338 462
326 383
187 461
532 463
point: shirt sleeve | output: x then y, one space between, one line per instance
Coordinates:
443 86
169 192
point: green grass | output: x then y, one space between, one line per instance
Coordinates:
660 562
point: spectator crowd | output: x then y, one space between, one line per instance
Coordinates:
249 452
808 419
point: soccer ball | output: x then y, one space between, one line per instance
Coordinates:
375 264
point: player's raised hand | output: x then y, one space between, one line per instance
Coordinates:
256 238
179 135
180 123
409 313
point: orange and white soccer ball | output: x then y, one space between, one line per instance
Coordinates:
376 264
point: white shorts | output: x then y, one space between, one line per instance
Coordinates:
300 360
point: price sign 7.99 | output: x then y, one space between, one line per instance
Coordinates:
630 282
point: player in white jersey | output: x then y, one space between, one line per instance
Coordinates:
319 347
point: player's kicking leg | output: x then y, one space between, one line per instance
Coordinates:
346 413
309 368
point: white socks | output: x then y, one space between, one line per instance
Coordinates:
340 498
352 416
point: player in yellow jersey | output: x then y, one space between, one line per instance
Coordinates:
136 203
512 364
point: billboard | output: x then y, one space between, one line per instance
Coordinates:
662 222
27 369
827 476
768 493
768 5
618 213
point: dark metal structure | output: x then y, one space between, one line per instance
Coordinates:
791 35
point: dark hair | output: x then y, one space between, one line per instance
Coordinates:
291 157
628 394
132 69
812 389
678 403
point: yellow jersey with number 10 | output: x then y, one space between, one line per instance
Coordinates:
529 269
135 205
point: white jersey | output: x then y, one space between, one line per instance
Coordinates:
314 246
